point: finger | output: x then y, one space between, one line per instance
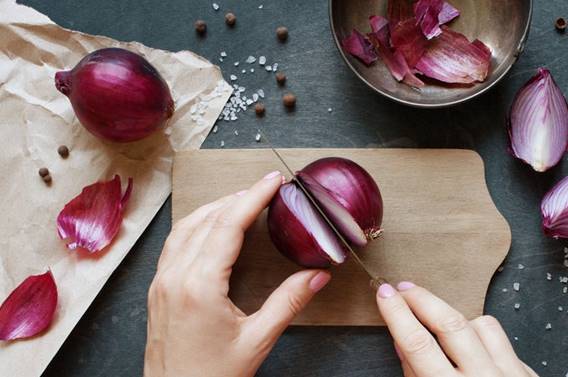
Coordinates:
530 371
416 344
497 344
406 369
284 304
183 229
226 238
458 339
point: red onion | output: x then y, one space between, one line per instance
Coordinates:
117 95
554 209
348 196
538 122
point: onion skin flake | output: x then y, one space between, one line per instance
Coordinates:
29 309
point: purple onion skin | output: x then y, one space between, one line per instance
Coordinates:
352 187
291 238
554 209
538 122
117 95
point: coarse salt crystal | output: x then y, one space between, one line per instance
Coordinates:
548 276
233 78
560 308
260 6
262 60
329 109
215 129
221 60
565 290
236 133
251 59
548 326
242 89
257 137
236 64
516 286
268 68
249 102
215 6
517 306
545 363
223 54
244 71
275 67
222 143
516 338
521 266
252 70
261 93
505 290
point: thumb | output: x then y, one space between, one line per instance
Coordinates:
285 303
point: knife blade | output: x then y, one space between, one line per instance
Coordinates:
375 281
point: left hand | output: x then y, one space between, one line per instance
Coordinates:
194 329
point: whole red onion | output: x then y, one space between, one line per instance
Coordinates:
349 198
117 95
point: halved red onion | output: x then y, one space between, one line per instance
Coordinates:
300 233
554 209
92 219
538 122
30 308
357 45
117 95
348 195
452 58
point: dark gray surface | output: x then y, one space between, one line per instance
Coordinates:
109 340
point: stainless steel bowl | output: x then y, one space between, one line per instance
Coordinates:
503 25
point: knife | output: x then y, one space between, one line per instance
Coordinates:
375 281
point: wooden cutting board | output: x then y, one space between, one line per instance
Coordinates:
441 228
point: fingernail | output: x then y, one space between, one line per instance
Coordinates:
241 193
272 175
319 281
386 291
405 286
398 352
283 179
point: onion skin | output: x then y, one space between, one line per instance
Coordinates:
353 188
117 95
290 236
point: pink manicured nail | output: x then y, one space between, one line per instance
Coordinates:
319 281
272 175
398 352
241 193
386 291
405 286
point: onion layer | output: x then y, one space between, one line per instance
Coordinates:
554 209
117 95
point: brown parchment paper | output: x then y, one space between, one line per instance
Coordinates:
34 120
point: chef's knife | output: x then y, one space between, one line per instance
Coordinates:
375 281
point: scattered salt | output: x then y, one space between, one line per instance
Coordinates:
236 64
244 71
548 326
251 59
517 306
249 102
215 6
236 133
565 290
268 68
560 308
516 338
223 54
505 290
255 97
260 6
261 93
233 78
222 143
545 363
221 60
521 266
257 137
548 276
516 286
215 129
252 70
329 109
275 67
262 60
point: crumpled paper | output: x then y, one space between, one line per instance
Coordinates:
34 120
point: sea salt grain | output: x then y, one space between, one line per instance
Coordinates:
255 97
261 93
329 109
215 6
565 290
548 326
236 64
268 68
236 133
223 54
233 78
262 60
260 6
516 286
545 363
517 306
251 59
222 143
252 70
257 137
516 338
521 266
221 60
505 290
244 71
215 129
548 276
560 308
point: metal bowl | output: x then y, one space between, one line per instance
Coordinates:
503 25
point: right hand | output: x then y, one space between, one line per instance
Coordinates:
462 348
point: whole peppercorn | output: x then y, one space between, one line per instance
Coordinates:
200 27
282 33
47 179
230 19
259 109
289 100
280 78
43 172
63 151
560 24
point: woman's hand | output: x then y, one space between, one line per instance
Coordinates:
461 347
193 327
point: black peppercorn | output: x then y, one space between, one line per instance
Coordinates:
282 33
560 24
289 100
200 27
259 109
43 172
230 19
63 151
280 78
47 179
